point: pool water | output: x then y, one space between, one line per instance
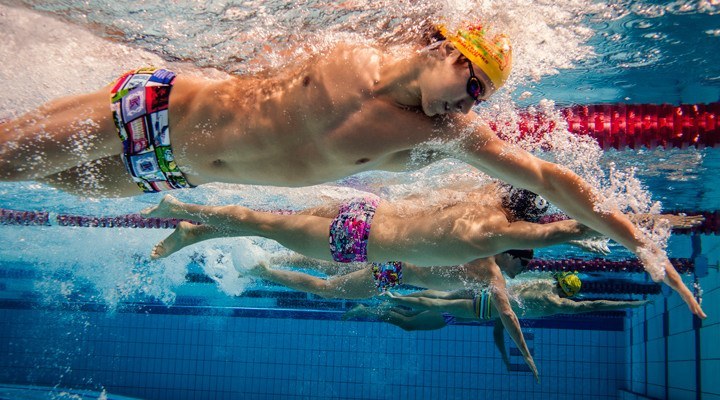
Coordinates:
85 314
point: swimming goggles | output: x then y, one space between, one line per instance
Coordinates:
474 87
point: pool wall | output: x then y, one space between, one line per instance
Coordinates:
673 355
207 352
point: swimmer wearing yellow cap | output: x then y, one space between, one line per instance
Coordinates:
492 55
569 283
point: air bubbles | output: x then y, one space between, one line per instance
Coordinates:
682 7
647 10
638 23
654 35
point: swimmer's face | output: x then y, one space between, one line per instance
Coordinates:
453 86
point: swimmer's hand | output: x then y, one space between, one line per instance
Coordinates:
599 246
531 363
651 256
671 220
693 305
683 221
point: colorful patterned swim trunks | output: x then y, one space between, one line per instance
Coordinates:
350 230
387 275
139 103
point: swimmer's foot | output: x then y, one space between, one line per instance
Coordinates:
359 311
169 207
184 235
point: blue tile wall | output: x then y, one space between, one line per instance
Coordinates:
680 363
157 356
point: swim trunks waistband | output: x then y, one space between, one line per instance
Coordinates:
139 104
387 275
350 230
482 306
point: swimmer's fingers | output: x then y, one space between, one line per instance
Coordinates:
689 221
602 247
594 246
388 295
682 221
697 310
694 306
531 363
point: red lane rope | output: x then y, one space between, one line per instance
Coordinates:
630 125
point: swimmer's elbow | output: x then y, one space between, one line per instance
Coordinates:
508 315
550 175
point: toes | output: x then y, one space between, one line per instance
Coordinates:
157 251
147 211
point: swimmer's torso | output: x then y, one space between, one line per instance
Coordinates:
307 126
440 235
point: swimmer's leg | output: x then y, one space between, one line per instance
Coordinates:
355 285
57 136
408 320
185 234
304 234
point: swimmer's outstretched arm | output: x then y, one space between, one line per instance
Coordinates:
569 192
567 306
674 221
528 235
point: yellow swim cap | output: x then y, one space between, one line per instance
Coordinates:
569 283
493 56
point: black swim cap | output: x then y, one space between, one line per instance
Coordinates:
524 204
521 254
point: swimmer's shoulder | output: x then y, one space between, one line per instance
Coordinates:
363 59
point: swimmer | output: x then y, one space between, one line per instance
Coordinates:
319 122
431 309
362 280
483 223
155 130
368 280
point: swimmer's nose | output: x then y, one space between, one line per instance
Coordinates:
464 106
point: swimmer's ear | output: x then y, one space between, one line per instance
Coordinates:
447 50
